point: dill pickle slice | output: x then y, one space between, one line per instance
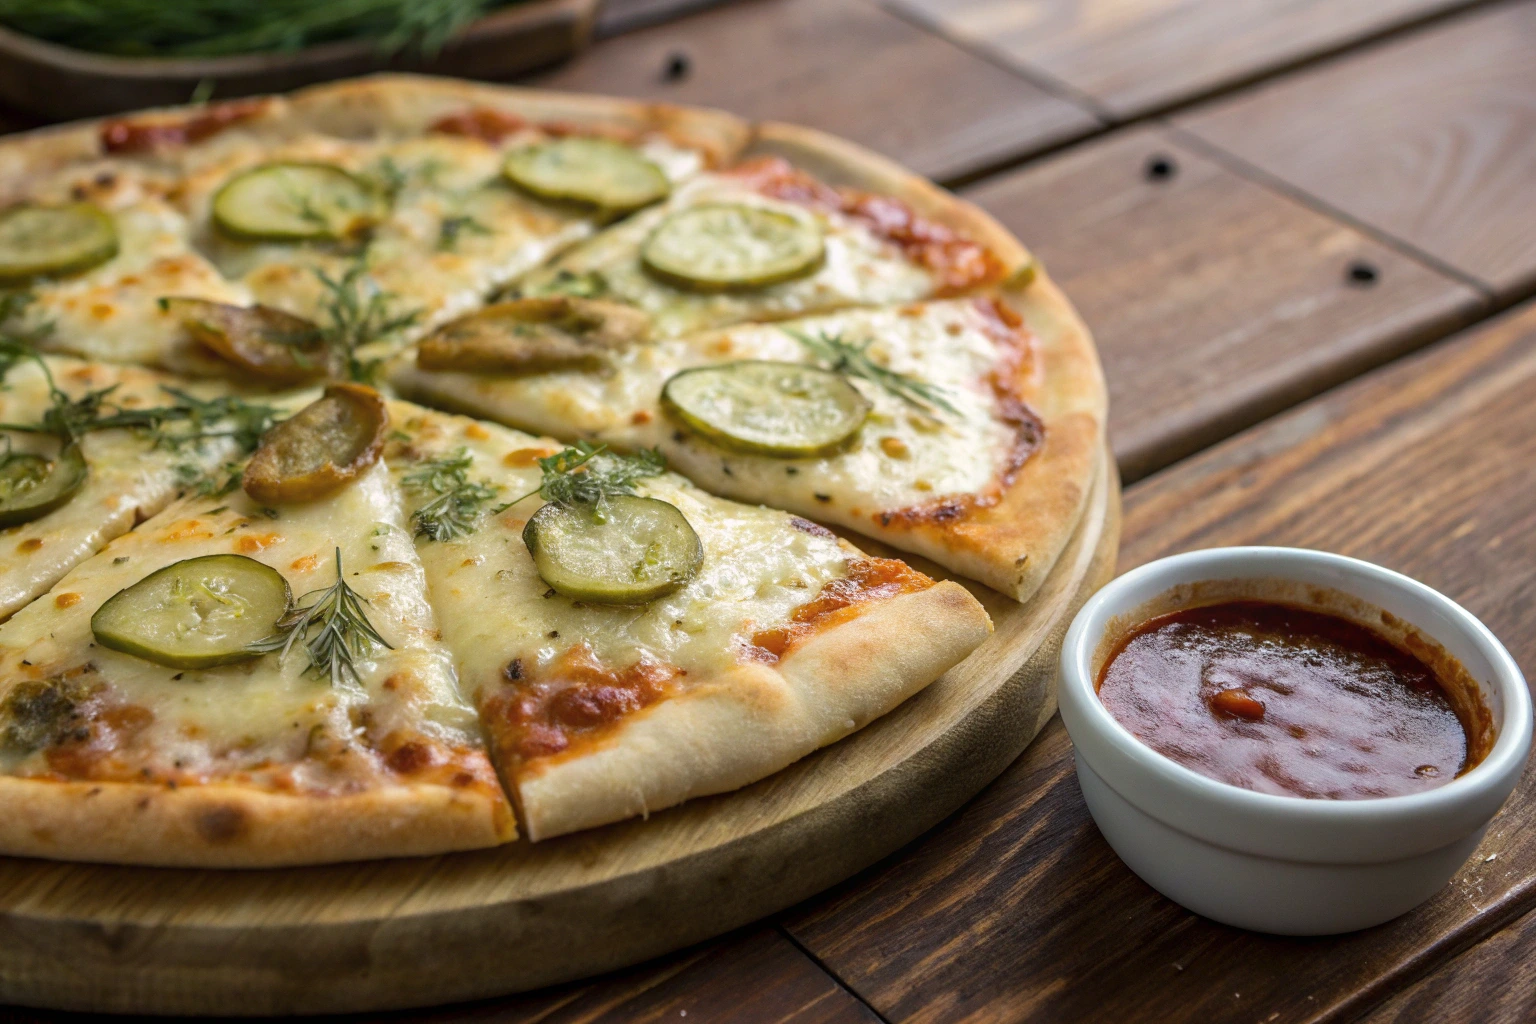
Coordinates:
37 241
723 246
297 202
195 613
278 347
595 172
625 550
535 335
319 449
788 410
31 486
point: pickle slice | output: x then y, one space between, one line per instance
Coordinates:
625 550
320 448
789 410
45 240
537 335
596 172
721 246
195 613
31 486
297 202
278 347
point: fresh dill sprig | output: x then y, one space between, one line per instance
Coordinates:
457 506
216 28
69 419
333 628
852 360
455 227
356 313
589 474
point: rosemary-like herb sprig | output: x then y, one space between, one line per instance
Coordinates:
457 506
333 628
590 474
356 313
71 418
852 360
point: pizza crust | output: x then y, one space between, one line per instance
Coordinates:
752 720
228 826
1012 545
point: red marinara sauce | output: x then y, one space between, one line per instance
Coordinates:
1281 699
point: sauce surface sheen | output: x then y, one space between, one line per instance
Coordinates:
1283 700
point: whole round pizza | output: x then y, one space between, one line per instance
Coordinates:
406 465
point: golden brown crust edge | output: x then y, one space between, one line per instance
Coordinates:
753 720
226 826
839 162
394 102
1011 545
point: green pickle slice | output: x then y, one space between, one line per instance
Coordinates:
195 613
625 550
43 240
296 202
760 407
596 172
722 246
31 486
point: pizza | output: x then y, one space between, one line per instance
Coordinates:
406 466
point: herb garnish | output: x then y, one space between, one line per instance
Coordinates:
589 474
455 226
356 313
344 632
853 361
70 418
457 505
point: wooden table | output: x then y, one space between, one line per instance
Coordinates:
1305 235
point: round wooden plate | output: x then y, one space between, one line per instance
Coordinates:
439 929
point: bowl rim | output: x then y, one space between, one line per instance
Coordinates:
1506 758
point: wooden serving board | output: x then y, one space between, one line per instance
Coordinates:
60 82
438 929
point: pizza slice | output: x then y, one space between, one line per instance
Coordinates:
248 681
953 428
374 238
90 449
765 241
632 641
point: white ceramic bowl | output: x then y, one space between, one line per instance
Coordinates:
1283 864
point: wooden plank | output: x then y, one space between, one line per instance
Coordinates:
1431 139
616 17
754 975
842 65
1492 983
1017 910
1215 301
1140 55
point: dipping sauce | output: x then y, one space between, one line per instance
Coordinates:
1285 700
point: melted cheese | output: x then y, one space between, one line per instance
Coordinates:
129 478
901 458
859 269
758 567
266 719
112 311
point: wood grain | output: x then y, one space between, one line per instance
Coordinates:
1138 55
756 974
1431 138
1426 467
1215 301
472 925
1492 983
841 65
